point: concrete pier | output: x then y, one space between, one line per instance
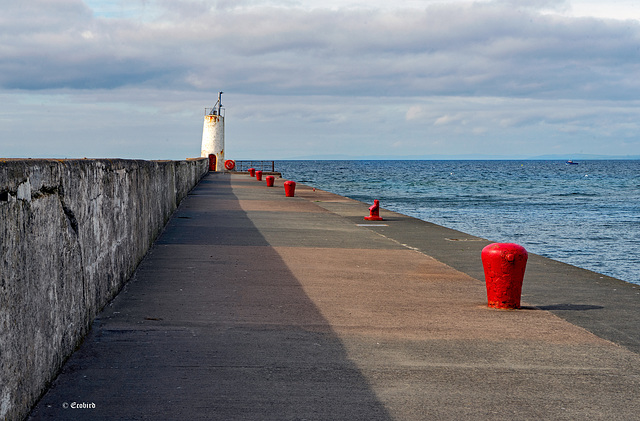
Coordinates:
255 306
72 232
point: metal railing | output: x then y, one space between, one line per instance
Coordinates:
214 111
258 165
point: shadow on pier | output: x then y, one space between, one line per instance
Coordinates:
212 326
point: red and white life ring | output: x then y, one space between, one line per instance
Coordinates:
229 164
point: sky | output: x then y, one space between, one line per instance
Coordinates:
351 78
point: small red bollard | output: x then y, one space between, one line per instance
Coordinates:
252 172
259 175
374 212
504 265
289 188
270 180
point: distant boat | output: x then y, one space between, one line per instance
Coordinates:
571 163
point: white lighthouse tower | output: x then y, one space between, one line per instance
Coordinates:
213 134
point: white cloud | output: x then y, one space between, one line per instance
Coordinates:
413 113
467 49
446 119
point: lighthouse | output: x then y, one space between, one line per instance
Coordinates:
213 135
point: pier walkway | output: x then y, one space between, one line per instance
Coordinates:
254 306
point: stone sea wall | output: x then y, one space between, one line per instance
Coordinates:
72 232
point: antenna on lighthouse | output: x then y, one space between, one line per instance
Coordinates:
216 110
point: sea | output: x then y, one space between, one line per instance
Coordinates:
586 214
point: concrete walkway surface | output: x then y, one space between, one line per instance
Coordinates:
255 306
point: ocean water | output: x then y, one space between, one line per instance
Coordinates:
587 215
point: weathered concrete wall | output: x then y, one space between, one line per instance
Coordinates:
72 233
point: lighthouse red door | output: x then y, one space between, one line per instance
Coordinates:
212 162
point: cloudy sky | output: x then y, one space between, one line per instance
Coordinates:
131 79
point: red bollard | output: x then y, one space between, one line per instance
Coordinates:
504 265
270 180
374 212
259 175
252 172
289 188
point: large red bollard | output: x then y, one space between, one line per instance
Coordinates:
504 265
289 188
252 172
270 180
259 175
374 212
